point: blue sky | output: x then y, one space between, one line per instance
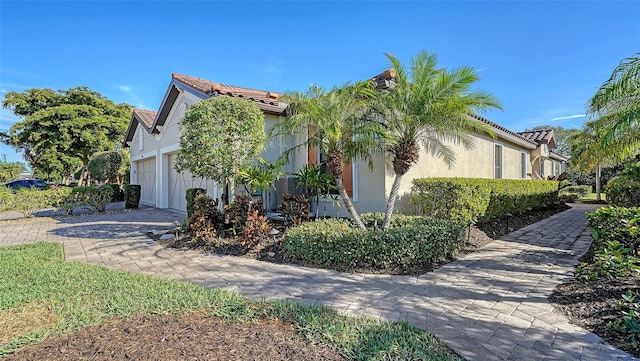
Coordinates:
542 60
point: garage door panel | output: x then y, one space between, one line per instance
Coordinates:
180 182
147 179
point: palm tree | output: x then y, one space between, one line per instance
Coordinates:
429 107
615 109
334 123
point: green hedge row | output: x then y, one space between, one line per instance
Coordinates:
623 192
411 241
474 199
615 224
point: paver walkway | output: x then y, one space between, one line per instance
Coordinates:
490 305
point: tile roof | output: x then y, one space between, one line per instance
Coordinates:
145 116
538 136
500 127
267 100
385 80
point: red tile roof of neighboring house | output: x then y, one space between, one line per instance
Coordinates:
538 136
145 116
500 127
267 100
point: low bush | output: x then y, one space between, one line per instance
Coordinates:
469 199
629 321
623 192
118 193
96 198
132 193
613 261
294 208
580 191
6 199
29 201
615 224
209 209
255 230
236 213
191 195
335 243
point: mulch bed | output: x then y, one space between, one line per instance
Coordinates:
592 304
178 337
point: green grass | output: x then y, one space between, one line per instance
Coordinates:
41 295
591 198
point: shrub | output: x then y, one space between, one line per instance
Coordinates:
208 208
612 261
201 226
6 199
255 230
236 213
29 201
615 224
335 243
580 191
191 195
468 199
623 192
294 208
118 193
629 322
94 197
132 193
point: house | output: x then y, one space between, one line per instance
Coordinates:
153 138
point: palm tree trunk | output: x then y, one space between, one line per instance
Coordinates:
598 183
391 203
348 204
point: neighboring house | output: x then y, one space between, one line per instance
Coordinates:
153 138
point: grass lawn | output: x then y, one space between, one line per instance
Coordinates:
42 295
591 197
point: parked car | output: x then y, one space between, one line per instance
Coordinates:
27 183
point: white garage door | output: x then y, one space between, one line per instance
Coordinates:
180 182
147 180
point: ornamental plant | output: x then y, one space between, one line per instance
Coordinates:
220 136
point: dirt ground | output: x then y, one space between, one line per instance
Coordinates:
178 337
593 305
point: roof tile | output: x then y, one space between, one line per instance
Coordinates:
539 136
145 116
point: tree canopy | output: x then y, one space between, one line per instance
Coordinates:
430 107
60 130
220 136
104 166
615 110
10 170
334 123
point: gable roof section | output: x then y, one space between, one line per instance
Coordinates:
540 136
507 134
141 116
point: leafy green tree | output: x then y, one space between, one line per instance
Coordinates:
429 107
315 183
220 137
11 170
615 110
335 123
62 129
104 166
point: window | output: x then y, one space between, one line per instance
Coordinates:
523 165
541 167
497 155
317 159
556 168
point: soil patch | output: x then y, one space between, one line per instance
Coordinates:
592 304
178 337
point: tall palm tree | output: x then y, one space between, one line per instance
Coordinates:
587 154
615 109
429 107
334 123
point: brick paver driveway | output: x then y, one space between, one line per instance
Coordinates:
490 305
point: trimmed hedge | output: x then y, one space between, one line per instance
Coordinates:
623 192
619 224
475 199
132 194
335 243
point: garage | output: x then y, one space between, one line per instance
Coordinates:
147 179
180 182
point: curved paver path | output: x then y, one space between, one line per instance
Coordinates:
490 305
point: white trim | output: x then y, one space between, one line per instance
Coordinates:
354 179
523 162
143 156
170 149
